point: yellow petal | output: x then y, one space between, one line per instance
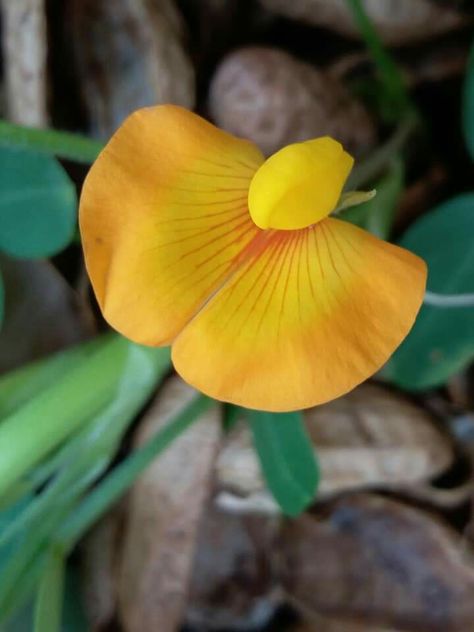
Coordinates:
299 185
164 218
310 315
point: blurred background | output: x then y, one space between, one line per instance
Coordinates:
199 543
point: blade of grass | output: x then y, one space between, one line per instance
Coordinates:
49 599
390 76
20 385
94 450
120 479
63 144
49 418
87 456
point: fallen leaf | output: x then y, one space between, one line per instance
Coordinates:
42 313
164 511
99 570
368 438
372 437
233 582
130 54
377 561
335 624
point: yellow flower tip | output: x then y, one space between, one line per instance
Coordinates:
299 185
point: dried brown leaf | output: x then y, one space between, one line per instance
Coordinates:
318 623
99 570
42 313
368 438
25 53
164 511
233 582
130 54
378 561
372 437
268 96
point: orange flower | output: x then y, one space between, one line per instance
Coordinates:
192 239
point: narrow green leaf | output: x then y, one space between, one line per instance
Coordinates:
119 480
442 339
21 385
49 141
30 528
56 413
287 458
468 104
37 206
2 299
86 456
49 599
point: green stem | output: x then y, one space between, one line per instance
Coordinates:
368 170
390 75
63 144
120 479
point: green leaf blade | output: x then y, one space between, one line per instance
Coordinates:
468 105
49 599
287 458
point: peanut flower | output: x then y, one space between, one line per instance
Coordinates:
193 239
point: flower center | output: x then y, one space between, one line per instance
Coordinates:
299 185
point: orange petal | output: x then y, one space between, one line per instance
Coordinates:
311 314
164 218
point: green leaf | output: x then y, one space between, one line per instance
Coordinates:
49 599
468 104
120 479
28 528
44 422
287 458
2 299
21 385
37 205
50 141
377 215
442 340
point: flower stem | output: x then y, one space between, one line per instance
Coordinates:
62 144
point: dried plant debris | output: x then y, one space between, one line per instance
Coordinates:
99 570
373 437
378 561
398 22
24 60
233 582
368 438
318 623
130 54
163 514
272 98
36 295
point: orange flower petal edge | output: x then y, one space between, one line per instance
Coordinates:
163 219
270 319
